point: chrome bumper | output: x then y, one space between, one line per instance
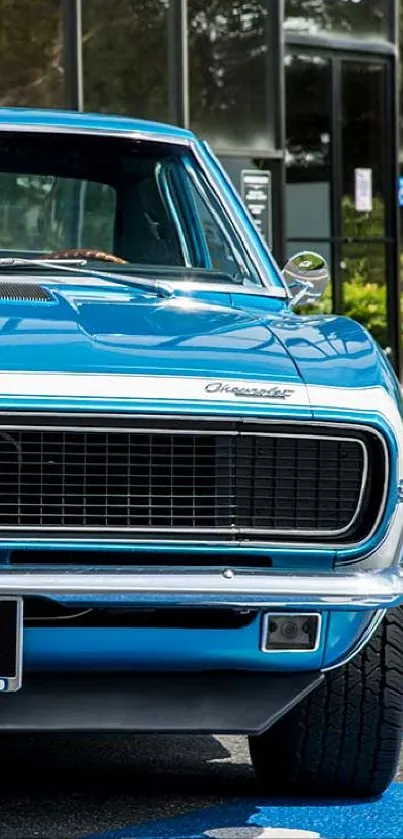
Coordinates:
336 590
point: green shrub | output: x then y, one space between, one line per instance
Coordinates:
364 302
364 292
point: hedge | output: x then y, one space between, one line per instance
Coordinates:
364 302
364 293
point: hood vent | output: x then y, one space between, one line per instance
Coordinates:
24 292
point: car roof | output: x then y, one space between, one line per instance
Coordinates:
33 119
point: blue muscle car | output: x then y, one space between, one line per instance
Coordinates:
201 491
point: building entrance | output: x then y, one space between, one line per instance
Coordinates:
340 195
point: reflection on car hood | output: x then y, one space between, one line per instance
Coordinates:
118 333
106 330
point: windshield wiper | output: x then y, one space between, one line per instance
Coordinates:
155 286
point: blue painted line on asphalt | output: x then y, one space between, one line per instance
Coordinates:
254 818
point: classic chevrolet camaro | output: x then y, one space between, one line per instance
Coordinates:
201 490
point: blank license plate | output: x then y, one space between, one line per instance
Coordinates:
11 629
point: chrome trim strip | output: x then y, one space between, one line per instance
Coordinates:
271 614
208 418
230 531
366 636
202 531
332 591
263 291
143 429
166 197
143 134
387 551
175 283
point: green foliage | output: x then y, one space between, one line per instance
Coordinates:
364 261
31 53
364 286
364 302
357 225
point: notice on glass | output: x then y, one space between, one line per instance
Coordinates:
363 190
256 193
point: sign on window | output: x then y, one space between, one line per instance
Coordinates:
256 191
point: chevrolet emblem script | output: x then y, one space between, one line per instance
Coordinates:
254 392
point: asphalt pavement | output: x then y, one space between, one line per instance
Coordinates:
79 786
75 786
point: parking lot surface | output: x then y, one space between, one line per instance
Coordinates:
182 787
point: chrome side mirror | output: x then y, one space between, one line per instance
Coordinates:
307 276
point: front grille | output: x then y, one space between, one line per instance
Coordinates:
282 482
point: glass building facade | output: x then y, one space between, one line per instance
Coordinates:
299 94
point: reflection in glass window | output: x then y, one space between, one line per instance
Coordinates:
308 147
147 203
308 116
348 18
125 56
31 54
228 72
210 236
308 159
362 145
45 213
220 253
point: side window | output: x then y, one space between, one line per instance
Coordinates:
221 247
220 253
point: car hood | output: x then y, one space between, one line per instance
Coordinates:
174 343
143 335
87 338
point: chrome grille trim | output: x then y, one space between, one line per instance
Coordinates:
264 533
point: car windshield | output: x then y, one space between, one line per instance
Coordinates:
146 203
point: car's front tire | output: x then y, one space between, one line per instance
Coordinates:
344 739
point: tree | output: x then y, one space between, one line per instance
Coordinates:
125 57
31 53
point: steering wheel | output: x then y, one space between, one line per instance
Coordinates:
86 253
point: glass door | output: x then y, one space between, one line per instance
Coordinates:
339 178
309 154
360 185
